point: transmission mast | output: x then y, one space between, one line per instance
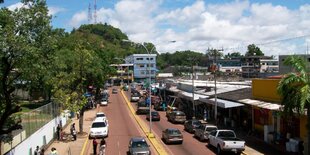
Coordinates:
89 14
95 11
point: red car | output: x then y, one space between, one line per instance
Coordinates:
155 116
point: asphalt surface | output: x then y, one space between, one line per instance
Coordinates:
122 127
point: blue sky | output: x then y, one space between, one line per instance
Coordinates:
195 24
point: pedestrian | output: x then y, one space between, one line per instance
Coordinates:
58 130
95 143
37 151
54 151
102 146
73 131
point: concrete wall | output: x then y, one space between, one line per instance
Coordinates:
41 137
266 89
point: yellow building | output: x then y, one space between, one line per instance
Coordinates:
286 126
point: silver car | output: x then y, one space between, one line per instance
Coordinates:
138 145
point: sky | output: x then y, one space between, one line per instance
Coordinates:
277 27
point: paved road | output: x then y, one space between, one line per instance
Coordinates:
190 145
122 126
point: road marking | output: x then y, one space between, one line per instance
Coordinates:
154 141
84 146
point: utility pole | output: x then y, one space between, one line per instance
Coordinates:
214 67
95 11
193 92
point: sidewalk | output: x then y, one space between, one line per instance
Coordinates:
69 147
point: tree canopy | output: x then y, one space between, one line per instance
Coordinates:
254 50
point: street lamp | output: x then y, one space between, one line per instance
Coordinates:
150 87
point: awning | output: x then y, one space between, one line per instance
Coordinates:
261 104
190 95
221 103
174 89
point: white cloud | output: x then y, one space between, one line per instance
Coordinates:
199 25
54 10
78 19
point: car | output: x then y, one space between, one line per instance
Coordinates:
203 131
114 91
177 117
101 115
135 97
172 135
155 116
138 145
191 125
104 101
170 109
99 128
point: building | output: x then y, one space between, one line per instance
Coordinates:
124 73
229 65
283 69
144 66
252 66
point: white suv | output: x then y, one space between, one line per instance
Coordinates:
99 128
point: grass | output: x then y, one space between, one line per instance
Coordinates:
29 106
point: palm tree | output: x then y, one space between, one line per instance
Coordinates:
294 89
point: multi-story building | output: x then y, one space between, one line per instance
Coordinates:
144 66
255 66
124 73
229 65
283 69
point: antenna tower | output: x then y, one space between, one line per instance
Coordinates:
95 12
89 14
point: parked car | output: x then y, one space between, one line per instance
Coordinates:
99 128
135 97
177 117
155 116
114 91
191 125
226 140
138 145
172 135
203 131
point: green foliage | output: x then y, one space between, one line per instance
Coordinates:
180 58
24 43
254 50
233 55
295 86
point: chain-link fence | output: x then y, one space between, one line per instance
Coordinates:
35 119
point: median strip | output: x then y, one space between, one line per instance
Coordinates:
155 142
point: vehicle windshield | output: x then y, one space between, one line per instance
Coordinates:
174 132
139 144
226 134
100 115
197 123
98 125
135 95
211 128
154 113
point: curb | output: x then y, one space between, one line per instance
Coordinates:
156 144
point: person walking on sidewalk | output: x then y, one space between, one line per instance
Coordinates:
58 130
95 143
73 131
102 146
37 151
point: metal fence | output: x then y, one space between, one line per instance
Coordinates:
35 119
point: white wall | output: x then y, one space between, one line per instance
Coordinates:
37 139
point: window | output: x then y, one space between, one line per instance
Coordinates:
142 72
141 65
149 58
139 58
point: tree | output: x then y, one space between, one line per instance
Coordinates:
233 55
294 89
254 50
212 53
21 48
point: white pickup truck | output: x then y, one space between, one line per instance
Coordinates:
226 140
